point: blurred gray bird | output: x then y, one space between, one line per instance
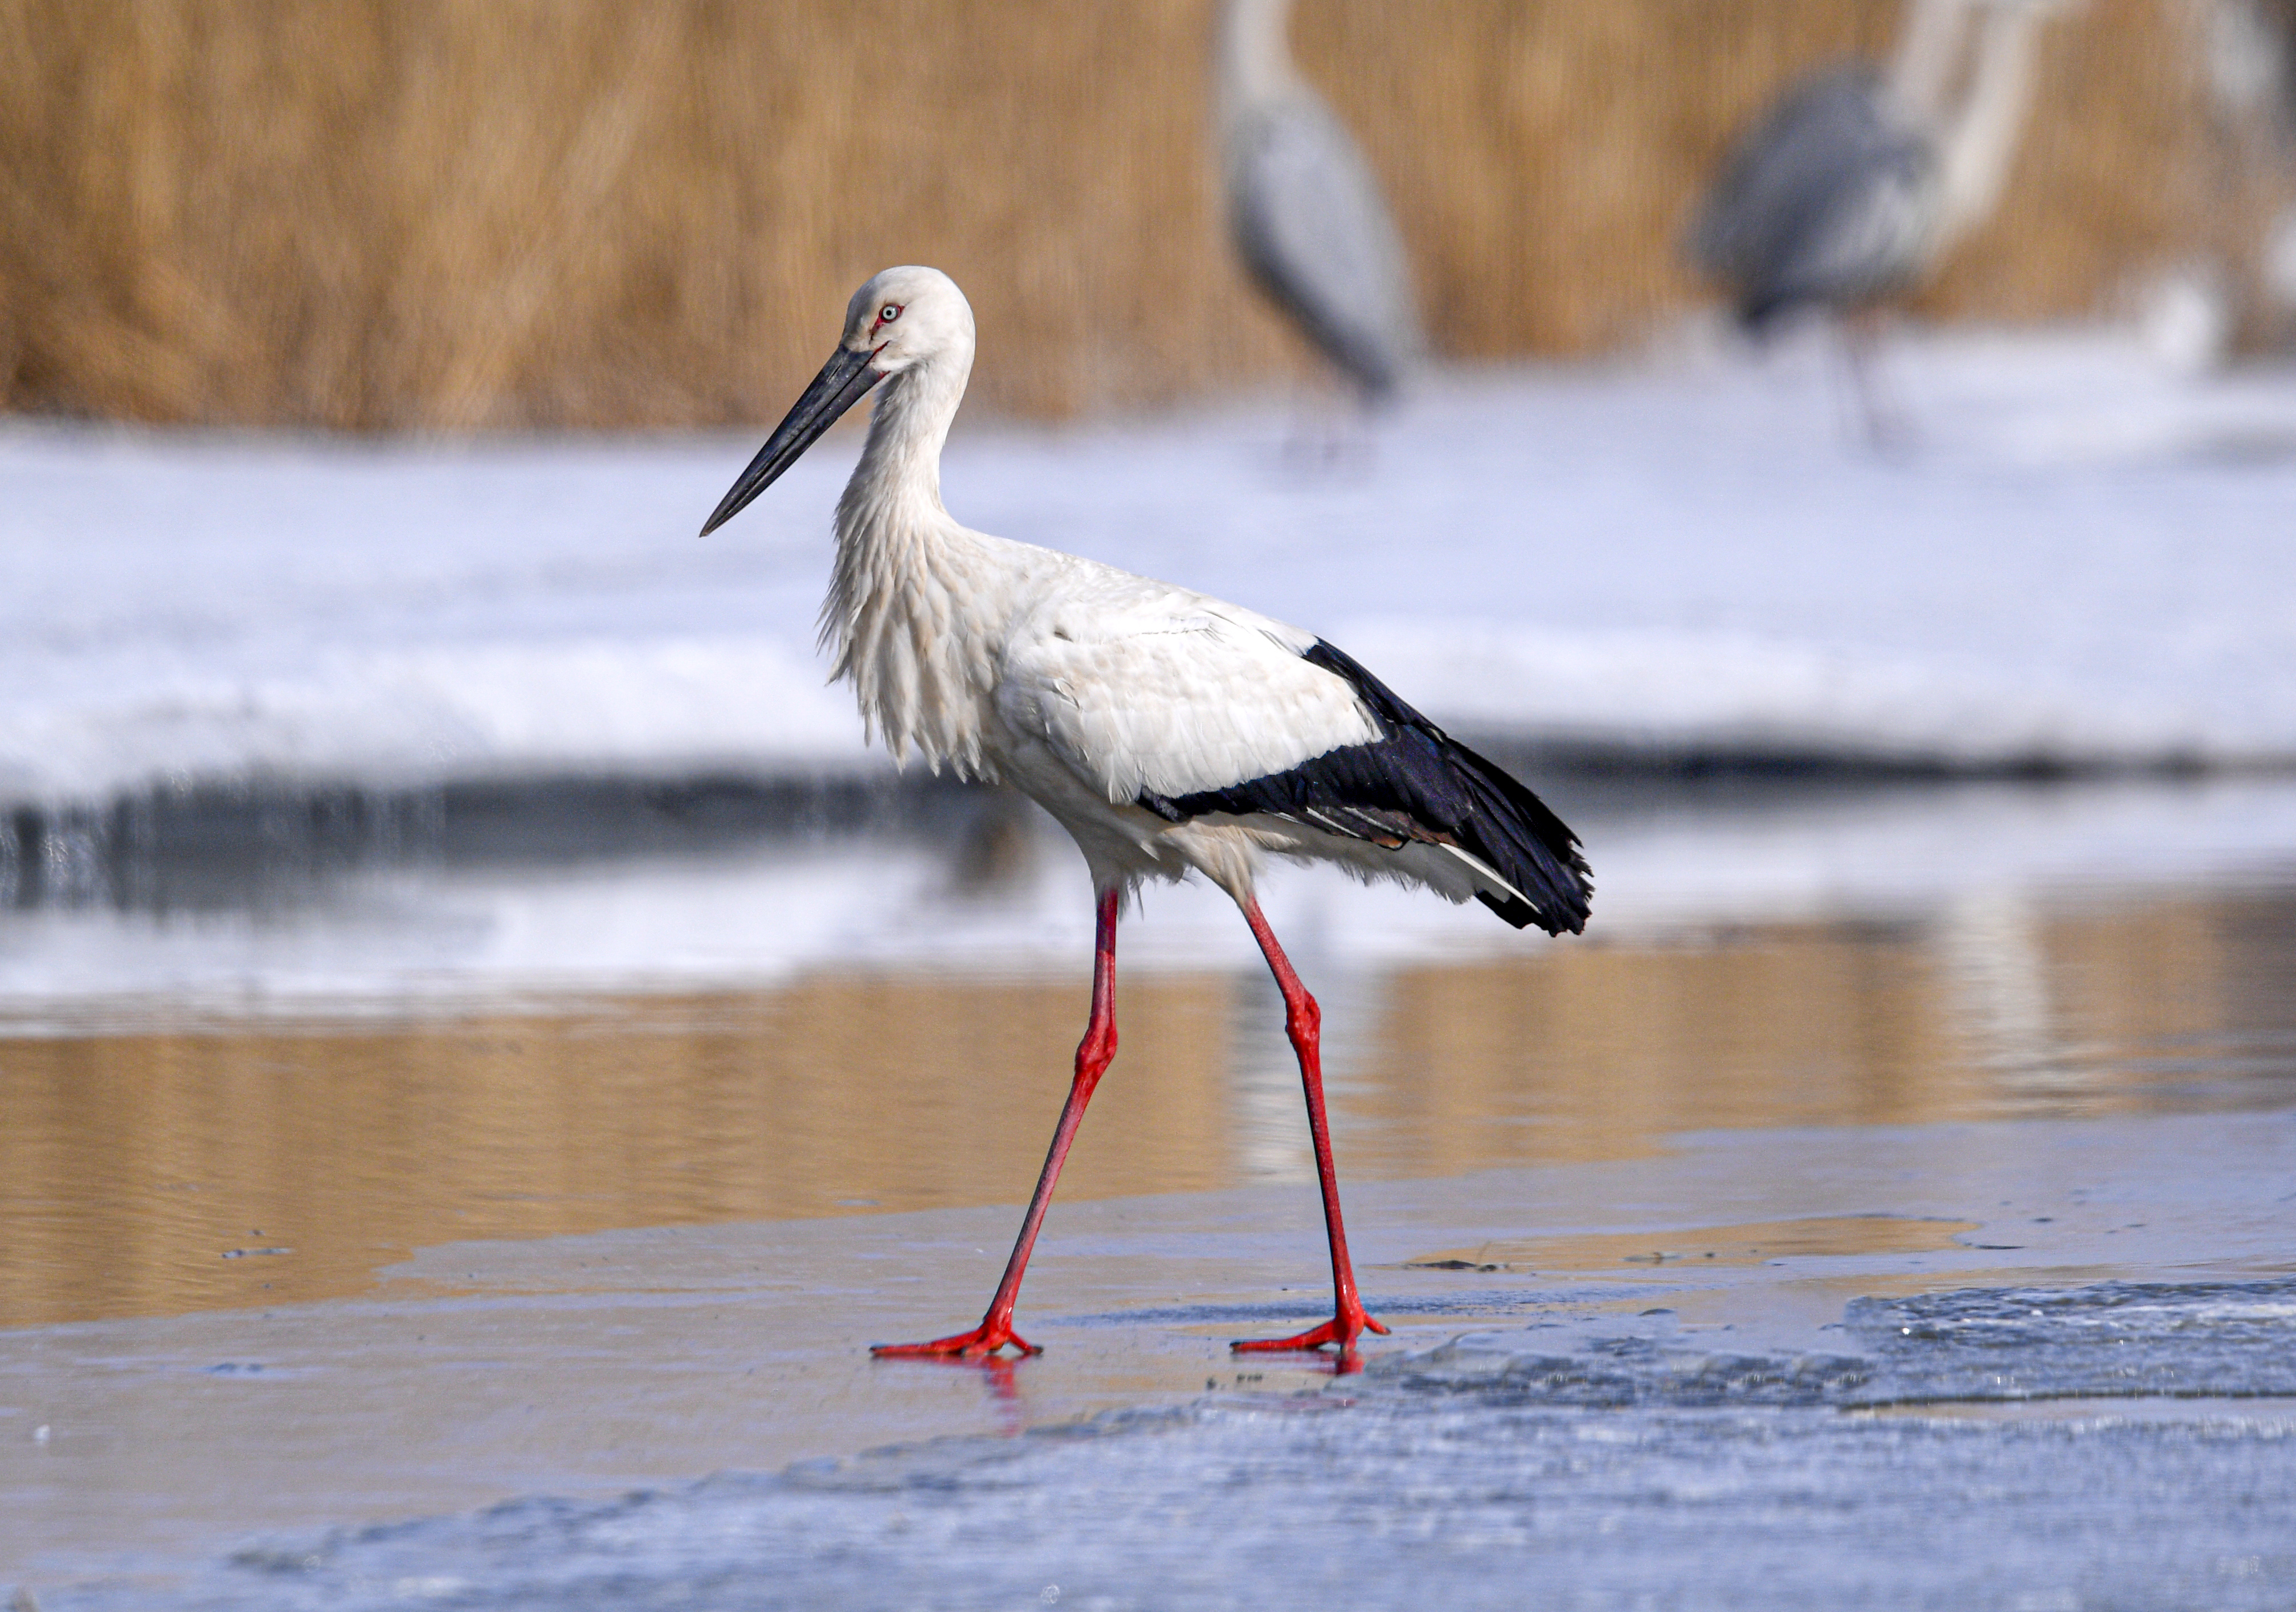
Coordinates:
1307 215
2248 48
1851 190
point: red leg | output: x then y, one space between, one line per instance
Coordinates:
1093 1055
1305 1020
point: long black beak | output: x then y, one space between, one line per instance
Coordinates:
839 387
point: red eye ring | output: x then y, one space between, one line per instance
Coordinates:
888 313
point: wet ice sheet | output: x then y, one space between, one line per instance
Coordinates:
1683 556
581 1366
2199 1341
1400 1489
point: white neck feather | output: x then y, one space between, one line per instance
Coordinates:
1926 48
896 619
1975 149
1255 55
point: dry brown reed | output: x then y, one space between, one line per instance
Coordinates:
457 214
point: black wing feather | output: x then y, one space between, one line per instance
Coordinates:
1416 782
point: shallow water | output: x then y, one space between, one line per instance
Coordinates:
387 1190
219 1162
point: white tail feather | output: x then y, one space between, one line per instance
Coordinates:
1499 886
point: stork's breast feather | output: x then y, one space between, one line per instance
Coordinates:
1173 703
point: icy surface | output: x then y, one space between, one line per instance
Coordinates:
1701 1480
2085 560
1829 1428
2118 1337
2124 1339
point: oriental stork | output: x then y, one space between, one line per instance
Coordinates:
1168 731
1849 192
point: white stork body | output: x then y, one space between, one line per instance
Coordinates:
1213 694
1165 730
1082 686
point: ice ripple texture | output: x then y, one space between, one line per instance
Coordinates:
2112 1340
1635 1472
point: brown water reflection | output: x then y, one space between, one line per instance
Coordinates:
152 1172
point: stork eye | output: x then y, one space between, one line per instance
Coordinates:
888 313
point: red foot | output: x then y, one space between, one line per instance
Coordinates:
1336 1330
983 1342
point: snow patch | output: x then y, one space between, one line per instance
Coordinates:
2086 562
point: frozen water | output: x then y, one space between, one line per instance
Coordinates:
2085 563
2124 1339
1795 1431
2118 1337
1392 1503
1636 1473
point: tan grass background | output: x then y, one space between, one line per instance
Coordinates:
457 214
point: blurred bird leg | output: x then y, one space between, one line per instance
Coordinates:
1325 444
1888 427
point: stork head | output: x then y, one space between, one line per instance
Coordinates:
907 316
904 320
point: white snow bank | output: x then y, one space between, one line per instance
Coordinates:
2090 559
1746 695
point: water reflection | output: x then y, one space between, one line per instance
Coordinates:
263 904
155 1171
